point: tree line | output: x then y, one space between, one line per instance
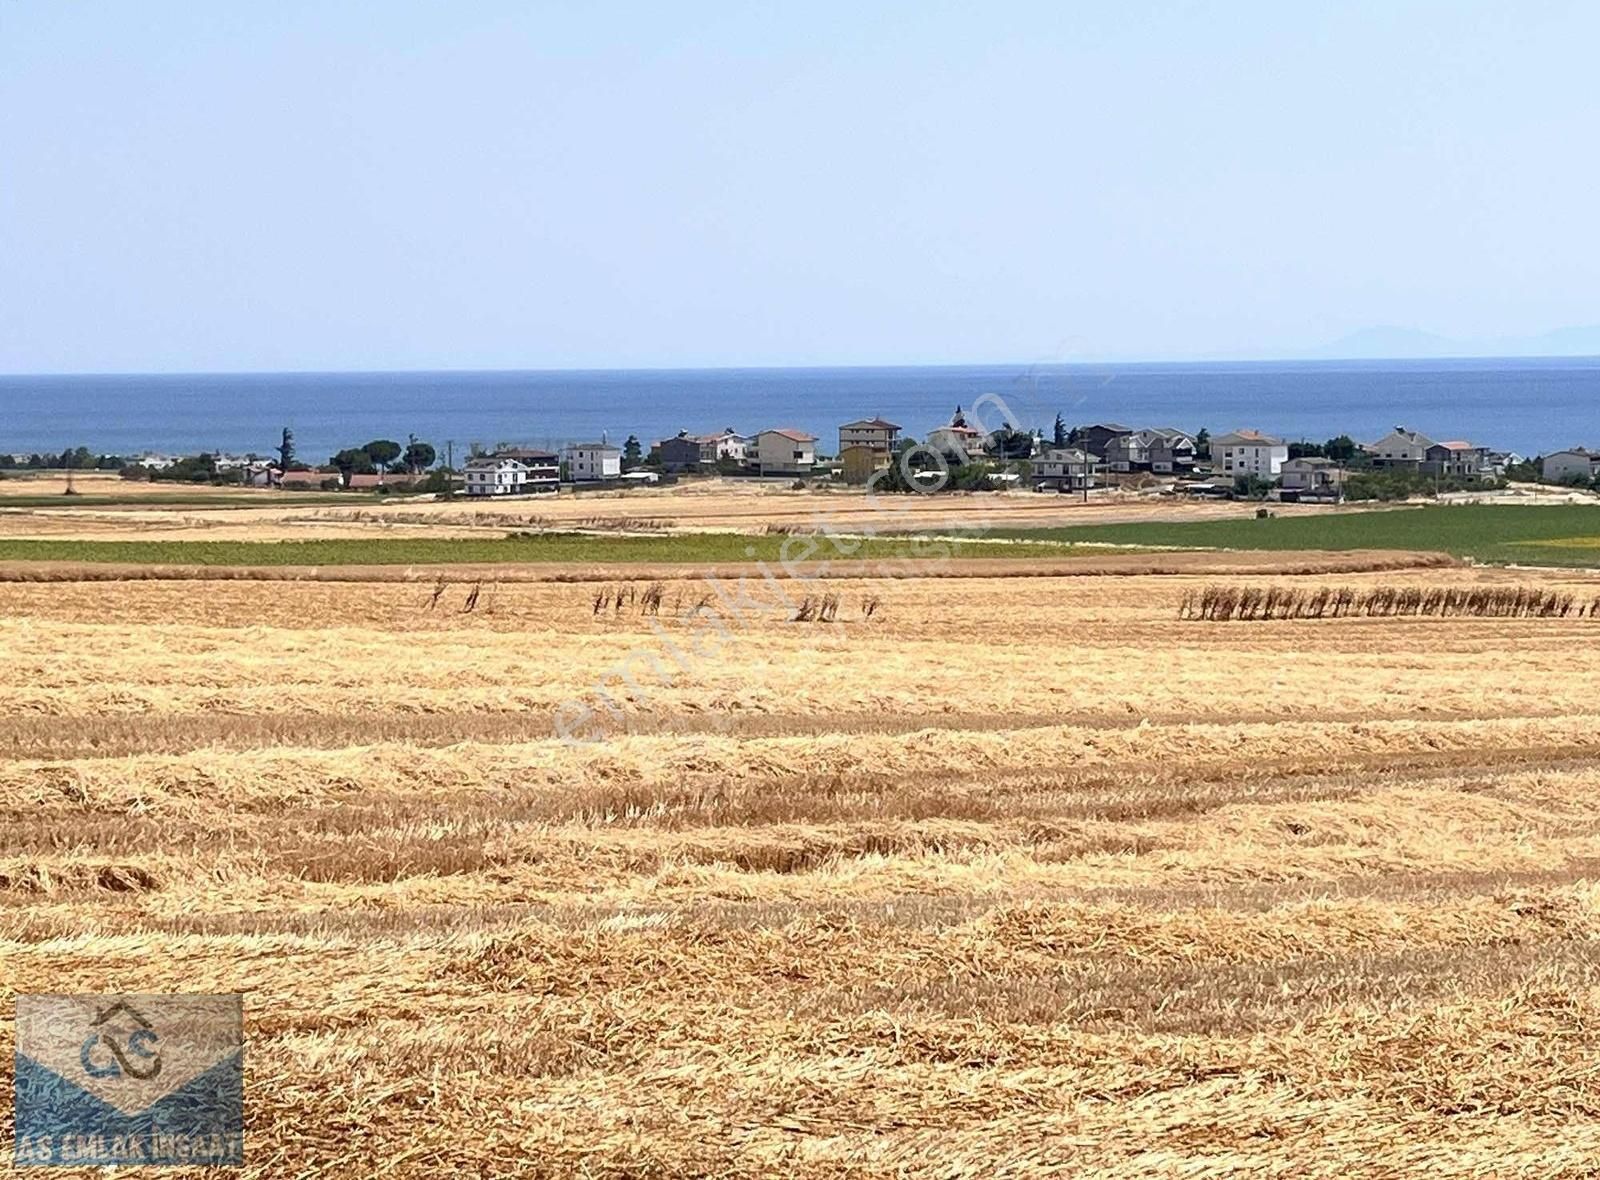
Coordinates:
71 459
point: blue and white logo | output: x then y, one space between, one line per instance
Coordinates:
149 1079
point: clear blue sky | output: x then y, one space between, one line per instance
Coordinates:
475 183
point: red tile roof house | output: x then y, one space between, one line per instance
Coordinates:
306 479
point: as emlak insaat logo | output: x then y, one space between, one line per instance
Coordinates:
121 1044
130 1079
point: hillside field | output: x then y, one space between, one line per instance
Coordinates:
987 876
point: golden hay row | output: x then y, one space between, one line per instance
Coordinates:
1018 877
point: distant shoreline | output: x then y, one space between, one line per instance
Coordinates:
1527 405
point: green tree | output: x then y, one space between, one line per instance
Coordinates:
382 452
1202 444
632 453
419 456
1526 471
1059 437
353 461
1251 487
286 450
1007 443
201 468
1342 449
1306 449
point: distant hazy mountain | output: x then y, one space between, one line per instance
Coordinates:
1577 341
1394 343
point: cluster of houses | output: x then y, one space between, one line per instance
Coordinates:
1106 448
783 452
777 451
1096 454
1111 447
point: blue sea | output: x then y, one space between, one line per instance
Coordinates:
1525 405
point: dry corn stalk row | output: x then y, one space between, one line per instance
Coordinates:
1250 603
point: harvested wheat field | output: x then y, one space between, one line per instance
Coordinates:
981 875
701 505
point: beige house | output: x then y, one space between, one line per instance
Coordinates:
784 452
1400 448
858 461
880 435
957 437
1312 476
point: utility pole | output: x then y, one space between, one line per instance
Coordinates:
450 454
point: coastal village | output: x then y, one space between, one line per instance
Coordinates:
873 452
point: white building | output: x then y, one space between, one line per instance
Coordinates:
592 461
1577 463
784 452
1249 452
544 470
491 476
727 444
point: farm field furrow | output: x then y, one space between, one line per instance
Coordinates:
983 876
